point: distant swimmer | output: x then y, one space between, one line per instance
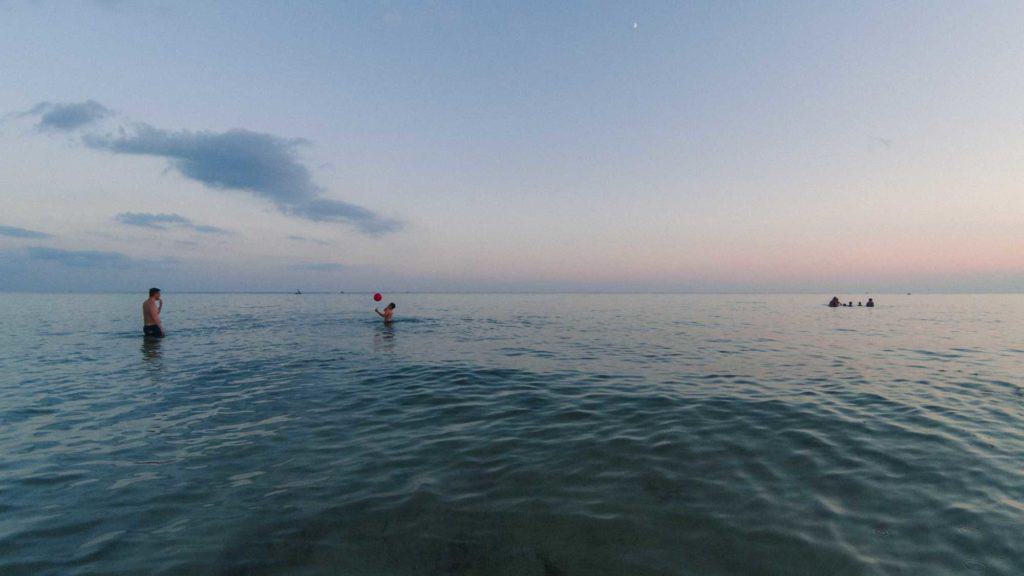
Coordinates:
860 303
871 303
388 312
151 324
834 302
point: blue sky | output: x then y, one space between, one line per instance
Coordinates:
520 146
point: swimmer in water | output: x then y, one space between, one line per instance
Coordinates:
388 312
151 325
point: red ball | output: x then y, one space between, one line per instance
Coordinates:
377 297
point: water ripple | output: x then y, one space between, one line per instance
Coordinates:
551 435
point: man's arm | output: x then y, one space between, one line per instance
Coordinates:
379 314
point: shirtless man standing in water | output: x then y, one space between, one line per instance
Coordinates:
388 312
151 324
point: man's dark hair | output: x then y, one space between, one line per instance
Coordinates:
154 291
392 305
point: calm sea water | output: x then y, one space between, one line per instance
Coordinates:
512 434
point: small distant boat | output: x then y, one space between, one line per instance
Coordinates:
298 291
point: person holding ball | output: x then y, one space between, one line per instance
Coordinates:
388 312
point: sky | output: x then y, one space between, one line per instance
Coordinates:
846 147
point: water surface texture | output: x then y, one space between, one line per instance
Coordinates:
512 434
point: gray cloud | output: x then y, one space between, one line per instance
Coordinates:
80 258
327 210
41 268
205 229
158 221
261 164
310 240
65 117
164 221
15 232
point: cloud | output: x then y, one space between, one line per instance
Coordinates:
261 164
65 117
15 232
163 221
158 221
310 240
80 258
204 229
52 269
327 210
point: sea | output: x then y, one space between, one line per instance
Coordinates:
512 434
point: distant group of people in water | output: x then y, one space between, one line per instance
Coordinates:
835 303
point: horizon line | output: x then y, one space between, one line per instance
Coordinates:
515 292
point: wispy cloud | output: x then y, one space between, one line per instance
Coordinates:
310 240
158 221
80 258
42 268
205 229
261 164
65 117
165 221
15 232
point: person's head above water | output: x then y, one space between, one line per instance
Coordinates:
391 306
154 292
